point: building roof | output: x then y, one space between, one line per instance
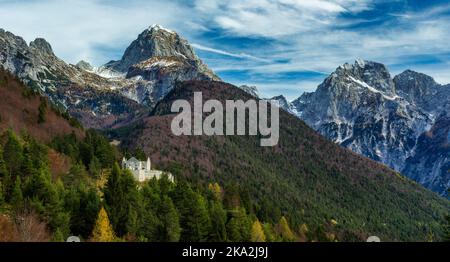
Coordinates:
133 159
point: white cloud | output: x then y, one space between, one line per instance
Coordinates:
304 32
226 53
76 28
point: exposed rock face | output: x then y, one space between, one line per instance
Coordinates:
362 108
282 103
252 90
155 62
422 91
157 41
430 163
119 91
83 65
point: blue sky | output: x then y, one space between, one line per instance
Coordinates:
281 46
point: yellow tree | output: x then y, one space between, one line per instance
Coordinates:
284 230
216 190
257 234
103 231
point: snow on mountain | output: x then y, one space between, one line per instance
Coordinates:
360 106
117 91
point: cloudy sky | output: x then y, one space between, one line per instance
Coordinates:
281 46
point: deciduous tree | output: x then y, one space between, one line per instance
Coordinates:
103 231
284 230
257 234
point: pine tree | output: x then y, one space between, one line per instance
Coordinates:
284 230
149 223
194 216
218 221
42 111
46 197
170 225
12 154
120 197
269 232
5 179
103 231
239 226
2 195
95 167
83 203
16 195
257 234
3 170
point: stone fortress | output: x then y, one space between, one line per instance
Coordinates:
142 171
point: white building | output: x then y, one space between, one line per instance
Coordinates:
142 171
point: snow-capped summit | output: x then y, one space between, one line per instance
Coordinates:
157 27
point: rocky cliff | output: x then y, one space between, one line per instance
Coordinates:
361 107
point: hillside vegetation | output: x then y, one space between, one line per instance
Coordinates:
306 178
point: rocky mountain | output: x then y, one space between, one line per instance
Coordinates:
305 176
282 102
361 107
113 94
252 90
430 162
158 42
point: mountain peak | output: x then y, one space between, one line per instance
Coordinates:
156 27
42 45
156 41
84 65
373 74
252 90
412 76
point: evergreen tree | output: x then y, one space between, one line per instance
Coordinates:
42 111
218 221
120 197
194 217
12 154
3 170
47 199
170 230
269 232
149 223
2 195
95 167
257 234
83 204
239 226
16 195
103 231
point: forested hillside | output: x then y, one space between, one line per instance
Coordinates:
58 180
309 180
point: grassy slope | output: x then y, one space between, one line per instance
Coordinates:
305 177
